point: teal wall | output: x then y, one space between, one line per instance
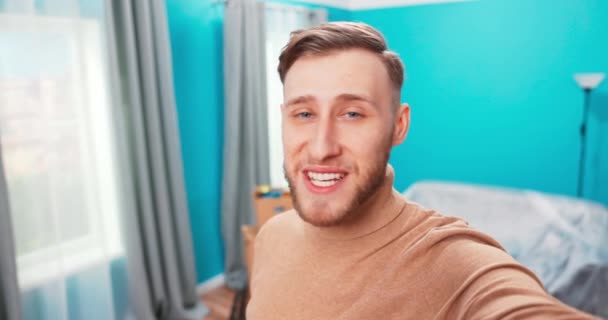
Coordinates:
492 93
195 28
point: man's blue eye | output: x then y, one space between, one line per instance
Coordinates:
304 115
353 115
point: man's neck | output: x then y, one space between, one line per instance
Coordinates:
377 211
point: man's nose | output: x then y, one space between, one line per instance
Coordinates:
324 144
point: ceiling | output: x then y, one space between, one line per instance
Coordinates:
372 4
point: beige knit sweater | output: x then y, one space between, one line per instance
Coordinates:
398 261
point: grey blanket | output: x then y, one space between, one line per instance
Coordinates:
587 290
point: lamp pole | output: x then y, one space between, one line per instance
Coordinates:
587 82
581 163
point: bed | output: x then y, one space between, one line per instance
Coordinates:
563 240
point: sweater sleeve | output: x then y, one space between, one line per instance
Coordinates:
477 279
509 291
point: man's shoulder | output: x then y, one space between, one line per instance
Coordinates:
279 226
454 256
436 228
451 240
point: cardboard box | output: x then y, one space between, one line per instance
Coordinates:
270 202
249 233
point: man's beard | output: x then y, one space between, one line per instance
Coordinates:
372 180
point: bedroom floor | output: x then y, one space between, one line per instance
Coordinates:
219 302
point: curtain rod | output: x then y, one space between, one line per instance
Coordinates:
273 6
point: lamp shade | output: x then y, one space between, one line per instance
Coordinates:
589 81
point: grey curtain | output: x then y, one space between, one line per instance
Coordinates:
246 159
10 308
159 240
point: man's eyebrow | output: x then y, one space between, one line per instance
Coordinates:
300 99
345 97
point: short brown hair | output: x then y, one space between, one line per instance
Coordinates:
326 38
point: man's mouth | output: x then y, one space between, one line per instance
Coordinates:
324 179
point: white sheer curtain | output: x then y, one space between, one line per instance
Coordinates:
281 20
60 160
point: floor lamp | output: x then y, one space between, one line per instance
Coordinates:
587 82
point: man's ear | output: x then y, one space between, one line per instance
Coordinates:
402 124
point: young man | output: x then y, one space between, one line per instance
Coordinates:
353 247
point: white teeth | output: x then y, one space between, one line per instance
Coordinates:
324 179
323 184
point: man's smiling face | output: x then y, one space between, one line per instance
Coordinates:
339 121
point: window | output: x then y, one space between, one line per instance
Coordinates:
57 143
